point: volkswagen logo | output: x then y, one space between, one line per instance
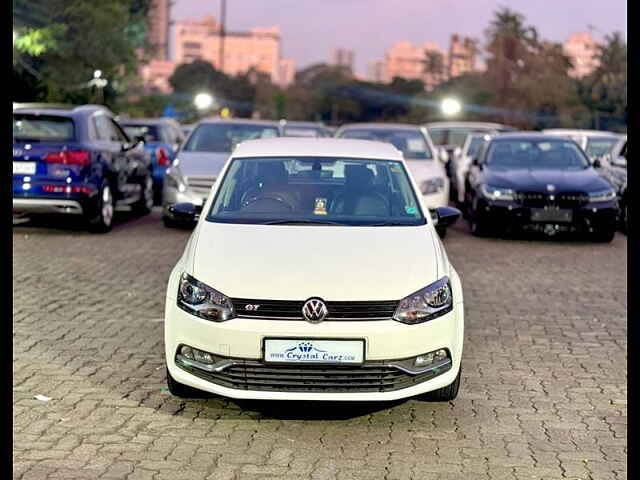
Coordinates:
314 310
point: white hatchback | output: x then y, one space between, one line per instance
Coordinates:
314 273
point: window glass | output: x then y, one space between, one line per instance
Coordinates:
151 133
537 154
223 137
411 143
42 127
599 146
347 191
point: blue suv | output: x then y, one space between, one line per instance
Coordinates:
77 161
162 138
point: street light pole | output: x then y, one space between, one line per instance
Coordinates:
223 11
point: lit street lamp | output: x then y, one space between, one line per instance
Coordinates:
450 107
203 101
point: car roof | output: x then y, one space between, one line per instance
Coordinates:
296 123
382 126
588 133
488 125
59 109
243 121
317 147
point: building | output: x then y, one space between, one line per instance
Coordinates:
155 75
258 48
376 71
158 21
581 49
286 72
416 62
343 57
462 56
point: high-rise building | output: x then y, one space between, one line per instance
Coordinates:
376 71
426 62
258 48
581 49
158 20
462 55
343 57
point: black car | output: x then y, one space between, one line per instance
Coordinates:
538 182
77 161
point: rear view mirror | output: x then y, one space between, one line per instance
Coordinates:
185 213
447 216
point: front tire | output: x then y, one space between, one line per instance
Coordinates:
442 231
103 221
180 390
604 236
444 394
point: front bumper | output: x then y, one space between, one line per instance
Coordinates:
590 217
241 340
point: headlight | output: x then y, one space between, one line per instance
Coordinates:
602 195
203 301
497 193
433 185
426 304
174 180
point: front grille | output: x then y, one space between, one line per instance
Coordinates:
560 200
292 309
200 183
370 377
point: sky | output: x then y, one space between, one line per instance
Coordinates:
311 29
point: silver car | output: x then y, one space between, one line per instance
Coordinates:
595 143
201 158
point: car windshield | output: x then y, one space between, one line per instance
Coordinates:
223 137
411 143
599 146
316 190
537 154
42 127
305 132
150 133
454 136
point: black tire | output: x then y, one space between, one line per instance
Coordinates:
171 223
604 236
444 394
624 219
442 231
182 391
477 227
145 204
102 222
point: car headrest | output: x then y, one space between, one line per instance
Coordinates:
272 171
358 176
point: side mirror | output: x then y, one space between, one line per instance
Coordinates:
619 162
186 212
447 216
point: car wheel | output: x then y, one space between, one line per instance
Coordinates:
171 223
604 236
180 390
624 221
103 221
444 394
145 204
442 231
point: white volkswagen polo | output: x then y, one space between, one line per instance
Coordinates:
314 273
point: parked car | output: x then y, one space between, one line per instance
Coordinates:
162 137
305 129
283 292
449 137
617 177
418 151
203 155
539 182
595 143
186 129
618 154
77 161
462 162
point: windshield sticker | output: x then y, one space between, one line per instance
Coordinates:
411 210
395 170
321 206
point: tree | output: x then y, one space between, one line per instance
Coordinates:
79 37
434 66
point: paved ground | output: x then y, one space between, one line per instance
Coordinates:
543 393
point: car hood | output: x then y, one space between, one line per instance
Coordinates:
425 169
202 163
283 262
586 180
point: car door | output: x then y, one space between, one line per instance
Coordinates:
111 150
134 160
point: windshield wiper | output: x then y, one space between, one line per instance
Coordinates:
302 222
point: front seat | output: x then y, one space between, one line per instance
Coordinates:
359 197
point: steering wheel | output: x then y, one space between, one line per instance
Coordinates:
269 196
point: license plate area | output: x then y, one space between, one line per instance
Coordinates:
551 214
313 351
24 168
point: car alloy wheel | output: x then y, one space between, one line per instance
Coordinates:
107 206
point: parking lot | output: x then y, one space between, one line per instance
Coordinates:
543 392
